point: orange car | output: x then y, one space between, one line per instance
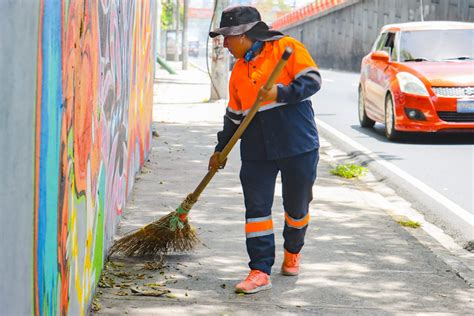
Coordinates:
419 77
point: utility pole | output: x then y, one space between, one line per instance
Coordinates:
184 46
220 59
422 9
177 17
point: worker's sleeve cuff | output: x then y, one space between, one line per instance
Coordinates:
226 134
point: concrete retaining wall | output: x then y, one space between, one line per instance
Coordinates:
76 91
340 37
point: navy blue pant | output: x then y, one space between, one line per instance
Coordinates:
258 178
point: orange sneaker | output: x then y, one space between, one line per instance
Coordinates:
255 282
291 264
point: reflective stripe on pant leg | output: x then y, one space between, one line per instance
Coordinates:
296 223
257 227
298 174
258 183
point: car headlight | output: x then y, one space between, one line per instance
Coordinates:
411 84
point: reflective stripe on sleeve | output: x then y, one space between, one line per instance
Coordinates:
237 112
265 107
236 122
305 71
233 115
296 223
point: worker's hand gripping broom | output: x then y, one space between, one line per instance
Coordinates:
173 232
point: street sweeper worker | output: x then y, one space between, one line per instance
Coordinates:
282 138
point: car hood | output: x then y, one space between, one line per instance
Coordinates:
445 73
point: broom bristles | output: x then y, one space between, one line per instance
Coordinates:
157 238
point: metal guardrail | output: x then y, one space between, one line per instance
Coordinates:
307 11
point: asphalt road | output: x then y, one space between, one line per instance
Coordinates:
444 162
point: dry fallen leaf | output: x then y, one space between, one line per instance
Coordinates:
106 281
141 276
152 265
96 306
124 285
146 292
123 275
154 284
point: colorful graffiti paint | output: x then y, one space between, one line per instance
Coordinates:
93 127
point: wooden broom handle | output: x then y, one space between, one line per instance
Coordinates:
243 125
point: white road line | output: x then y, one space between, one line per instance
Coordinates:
450 205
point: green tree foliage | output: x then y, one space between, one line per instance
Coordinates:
167 16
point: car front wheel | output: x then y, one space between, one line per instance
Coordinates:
364 120
390 131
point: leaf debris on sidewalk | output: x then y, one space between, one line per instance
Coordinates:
153 265
125 285
409 223
95 307
349 170
106 281
148 292
153 285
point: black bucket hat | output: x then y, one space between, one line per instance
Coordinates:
238 20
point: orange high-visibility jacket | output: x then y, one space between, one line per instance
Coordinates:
283 128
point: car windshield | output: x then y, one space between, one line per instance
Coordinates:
436 45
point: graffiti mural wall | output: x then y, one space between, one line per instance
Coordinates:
90 134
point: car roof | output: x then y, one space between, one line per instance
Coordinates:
428 25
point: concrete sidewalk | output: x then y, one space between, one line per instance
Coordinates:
357 258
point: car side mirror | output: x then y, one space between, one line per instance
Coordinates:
380 55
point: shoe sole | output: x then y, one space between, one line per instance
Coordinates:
289 273
255 290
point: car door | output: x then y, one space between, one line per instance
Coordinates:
380 78
370 72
